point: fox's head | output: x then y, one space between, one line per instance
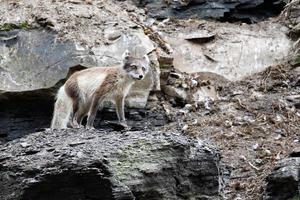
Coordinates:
136 68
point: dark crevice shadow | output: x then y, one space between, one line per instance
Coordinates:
69 185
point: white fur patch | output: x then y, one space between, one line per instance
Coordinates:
88 83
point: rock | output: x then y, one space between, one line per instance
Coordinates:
109 165
112 34
185 128
24 144
172 91
283 183
26 66
295 100
191 88
200 37
165 60
240 10
290 16
295 152
236 51
36 59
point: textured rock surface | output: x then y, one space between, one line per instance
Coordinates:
34 64
235 51
100 165
41 41
35 60
283 183
244 10
291 18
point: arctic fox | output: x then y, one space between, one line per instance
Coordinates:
85 90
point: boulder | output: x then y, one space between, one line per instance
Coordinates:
181 88
283 183
230 50
80 164
41 41
35 60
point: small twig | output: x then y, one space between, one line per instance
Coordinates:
253 166
240 104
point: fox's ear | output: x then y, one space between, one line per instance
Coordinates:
146 58
126 55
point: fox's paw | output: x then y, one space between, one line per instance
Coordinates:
123 123
125 126
90 128
78 126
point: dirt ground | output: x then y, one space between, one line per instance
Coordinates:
254 124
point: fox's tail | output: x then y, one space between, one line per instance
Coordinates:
62 110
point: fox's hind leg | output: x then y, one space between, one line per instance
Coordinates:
73 121
93 111
79 115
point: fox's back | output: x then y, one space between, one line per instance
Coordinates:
87 81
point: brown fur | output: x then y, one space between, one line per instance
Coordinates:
109 83
71 88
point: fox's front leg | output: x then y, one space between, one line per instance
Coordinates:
120 101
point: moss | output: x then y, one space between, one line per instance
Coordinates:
24 25
11 26
297 60
8 27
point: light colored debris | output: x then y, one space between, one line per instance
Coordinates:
25 144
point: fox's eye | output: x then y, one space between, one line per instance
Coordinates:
134 66
144 68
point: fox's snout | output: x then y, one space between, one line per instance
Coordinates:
137 76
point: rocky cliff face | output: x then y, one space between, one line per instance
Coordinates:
224 10
43 42
78 164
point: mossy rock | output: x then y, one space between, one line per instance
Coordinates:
12 26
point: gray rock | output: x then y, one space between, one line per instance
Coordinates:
35 60
174 92
283 183
79 164
291 18
237 51
35 63
243 10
